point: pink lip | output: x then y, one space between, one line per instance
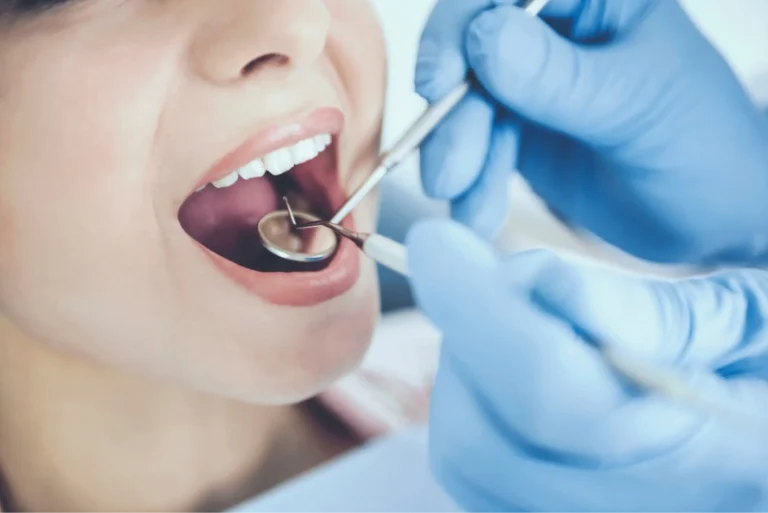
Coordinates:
326 120
295 289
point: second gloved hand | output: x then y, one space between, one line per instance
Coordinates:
526 414
619 113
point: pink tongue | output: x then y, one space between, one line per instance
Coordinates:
226 220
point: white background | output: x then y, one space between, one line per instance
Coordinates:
739 28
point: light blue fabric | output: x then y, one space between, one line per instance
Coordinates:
526 414
619 113
391 474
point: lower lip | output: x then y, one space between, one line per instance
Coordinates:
299 289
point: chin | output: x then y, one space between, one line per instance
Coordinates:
336 347
286 331
299 358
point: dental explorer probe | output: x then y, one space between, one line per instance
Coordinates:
648 376
416 134
383 250
390 159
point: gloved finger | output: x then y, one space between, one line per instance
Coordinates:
710 322
552 387
698 324
436 246
574 182
583 190
441 64
485 465
484 208
453 157
525 65
514 385
461 465
595 21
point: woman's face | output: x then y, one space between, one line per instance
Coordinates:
114 113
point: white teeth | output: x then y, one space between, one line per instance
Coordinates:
286 160
255 169
322 142
279 161
227 181
303 152
272 163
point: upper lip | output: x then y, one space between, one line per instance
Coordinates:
326 120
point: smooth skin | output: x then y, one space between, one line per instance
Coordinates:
134 375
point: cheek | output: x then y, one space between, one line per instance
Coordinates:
360 35
79 241
84 262
358 50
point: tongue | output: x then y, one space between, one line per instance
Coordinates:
226 220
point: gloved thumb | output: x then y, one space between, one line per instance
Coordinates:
702 322
450 269
529 68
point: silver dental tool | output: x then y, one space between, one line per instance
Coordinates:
274 231
647 376
381 249
389 160
416 134
650 377
272 228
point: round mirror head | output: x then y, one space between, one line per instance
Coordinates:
280 237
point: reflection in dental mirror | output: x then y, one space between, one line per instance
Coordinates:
280 236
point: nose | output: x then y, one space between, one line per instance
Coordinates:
243 38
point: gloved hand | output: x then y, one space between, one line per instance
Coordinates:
619 114
527 415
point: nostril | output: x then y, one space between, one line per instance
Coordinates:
268 60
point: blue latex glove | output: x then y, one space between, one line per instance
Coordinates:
619 114
527 415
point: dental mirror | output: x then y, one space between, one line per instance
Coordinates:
281 237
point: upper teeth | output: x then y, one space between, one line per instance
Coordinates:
279 161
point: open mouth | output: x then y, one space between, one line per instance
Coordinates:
300 161
223 215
